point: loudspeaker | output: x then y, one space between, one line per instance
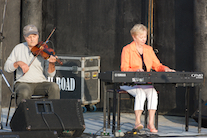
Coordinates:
203 115
62 116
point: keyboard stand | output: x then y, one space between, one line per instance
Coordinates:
156 123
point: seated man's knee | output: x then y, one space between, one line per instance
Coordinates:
24 93
54 93
55 87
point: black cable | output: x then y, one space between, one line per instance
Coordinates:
45 121
98 131
48 124
145 130
60 121
127 123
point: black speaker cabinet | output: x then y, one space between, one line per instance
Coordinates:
63 116
28 134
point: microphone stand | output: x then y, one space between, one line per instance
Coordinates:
1 44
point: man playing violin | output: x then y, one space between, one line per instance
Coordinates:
31 71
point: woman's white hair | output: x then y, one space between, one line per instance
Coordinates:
138 28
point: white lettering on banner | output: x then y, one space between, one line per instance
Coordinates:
64 84
70 84
50 79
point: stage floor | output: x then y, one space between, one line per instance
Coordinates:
168 126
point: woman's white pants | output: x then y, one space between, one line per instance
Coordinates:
141 92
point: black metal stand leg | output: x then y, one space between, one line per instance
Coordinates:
199 110
108 110
114 110
104 108
9 111
146 114
109 114
156 120
157 113
118 111
187 109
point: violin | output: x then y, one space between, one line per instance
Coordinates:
42 49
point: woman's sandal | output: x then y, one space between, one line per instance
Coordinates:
139 126
153 130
